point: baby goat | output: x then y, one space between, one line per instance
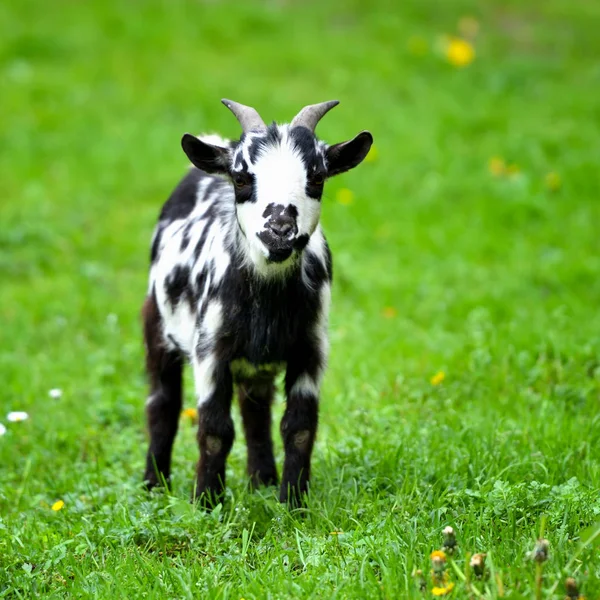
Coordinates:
240 284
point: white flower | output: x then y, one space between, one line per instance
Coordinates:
55 393
17 415
2 429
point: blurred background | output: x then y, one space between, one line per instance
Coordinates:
465 358
466 242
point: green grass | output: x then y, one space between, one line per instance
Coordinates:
493 280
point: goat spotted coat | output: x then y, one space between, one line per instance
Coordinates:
240 283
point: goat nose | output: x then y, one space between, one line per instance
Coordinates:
281 227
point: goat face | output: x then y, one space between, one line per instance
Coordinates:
278 176
278 173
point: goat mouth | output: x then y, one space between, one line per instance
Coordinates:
280 254
277 249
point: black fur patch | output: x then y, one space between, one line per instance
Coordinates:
183 199
239 163
254 149
301 241
256 397
176 284
279 210
264 320
156 244
185 236
246 193
203 236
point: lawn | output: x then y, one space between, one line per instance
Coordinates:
464 380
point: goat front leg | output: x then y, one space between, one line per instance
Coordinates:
256 396
299 429
214 388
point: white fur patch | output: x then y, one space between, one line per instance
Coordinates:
178 324
204 378
305 385
322 329
204 369
215 139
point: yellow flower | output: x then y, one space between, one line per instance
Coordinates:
191 414
373 154
468 26
345 196
552 181
417 45
459 52
389 312
442 591
440 554
57 505
513 169
436 380
497 166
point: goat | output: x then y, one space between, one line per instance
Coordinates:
240 284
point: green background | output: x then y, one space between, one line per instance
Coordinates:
440 265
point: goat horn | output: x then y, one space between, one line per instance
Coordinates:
247 116
310 115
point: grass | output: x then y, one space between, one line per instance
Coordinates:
440 266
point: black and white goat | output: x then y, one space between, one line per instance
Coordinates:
240 285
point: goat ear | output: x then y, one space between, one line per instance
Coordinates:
209 158
347 155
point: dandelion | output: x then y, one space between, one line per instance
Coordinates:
442 591
16 416
442 584
420 579
417 45
438 378
55 393
552 181
478 564
468 27
191 414
459 52
449 539
497 166
58 505
345 196
438 561
540 552
540 556
389 312
572 590
2 429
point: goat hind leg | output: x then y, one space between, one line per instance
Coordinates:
164 368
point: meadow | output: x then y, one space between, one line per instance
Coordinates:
464 379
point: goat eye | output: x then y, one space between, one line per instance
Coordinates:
317 179
240 180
